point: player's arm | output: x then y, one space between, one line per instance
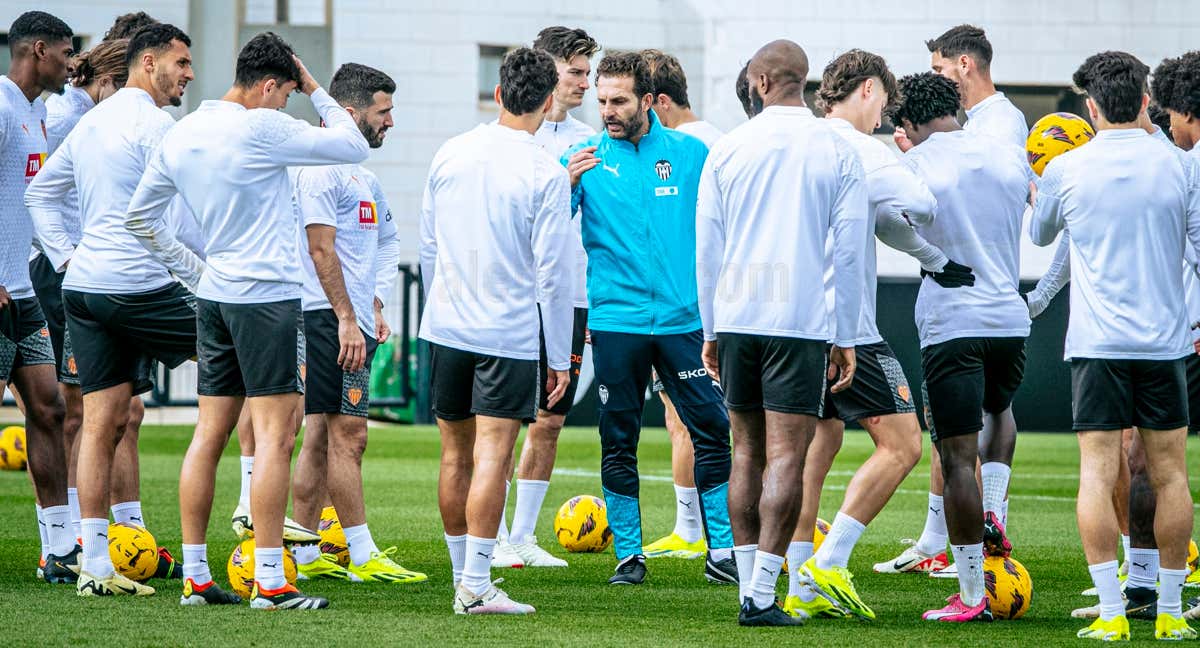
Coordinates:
387 266
45 199
710 254
555 267
1057 276
1047 220
296 143
849 227
427 254
1192 218
318 211
146 219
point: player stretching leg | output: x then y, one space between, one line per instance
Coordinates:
494 199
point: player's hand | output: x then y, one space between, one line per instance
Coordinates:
352 354
1032 193
581 162
1196 346
556 386
587 336
382 330
308 84
841 367
5 299
901 140
708 355
953 275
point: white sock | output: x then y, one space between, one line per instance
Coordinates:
530 495
1104 575
73 504
58 529
247 470
1170 591
743 555
128 513
798 553
457 546
934 537
305 554
1125 545
96 560
195 563
835 551
766 572
1143 568
969 559
42 533
502 532
721 554
268 568
477 570
360 544
1004 514
687 514
995 487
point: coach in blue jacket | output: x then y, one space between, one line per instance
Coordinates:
636 184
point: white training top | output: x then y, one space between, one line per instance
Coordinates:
981 192
556 138
998 117
344 197
497 242
230 167
102 158
22 155
1191 276
772 190
62 114
897 197
703 131
1130 205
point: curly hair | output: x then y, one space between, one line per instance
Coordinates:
266 56
1160 118
1176 84
126 25
564 43
963 39
105 59
667 76
1115 81
157 36
627 64
924 97
845 73
527 77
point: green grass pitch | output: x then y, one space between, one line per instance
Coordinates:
676 607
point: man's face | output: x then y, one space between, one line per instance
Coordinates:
375 119
572 81
172 72
275 94
916 134
876 99
1184 129
951 68
622 111
53 63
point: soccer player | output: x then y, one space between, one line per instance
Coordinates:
671 98
572 50
1126 270
228 161
494 199
353 257
636 184
40 45
972 337
741 87
765 320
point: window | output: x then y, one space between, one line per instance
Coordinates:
490 57
1039 101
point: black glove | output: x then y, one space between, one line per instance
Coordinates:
954 275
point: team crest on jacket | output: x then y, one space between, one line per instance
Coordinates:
663 169
603 395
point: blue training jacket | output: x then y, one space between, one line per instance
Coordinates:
639 230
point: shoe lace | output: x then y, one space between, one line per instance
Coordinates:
385 557
628 565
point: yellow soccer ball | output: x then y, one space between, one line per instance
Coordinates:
133 551
12 448
819 534
1193 557
581 525
241 568
1054 135
1009 588
333 538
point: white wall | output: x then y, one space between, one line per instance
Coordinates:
92 18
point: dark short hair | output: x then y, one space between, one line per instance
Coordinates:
627 64
35 26
924 97
126 25
1176 84
741 87
356 84
667 76
266 56
963 39
845 73
155 36
564 43
527 77
1115 81
1160 118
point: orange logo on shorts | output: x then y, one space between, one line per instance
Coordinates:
71 365
304 372
45 332
355 395
904 393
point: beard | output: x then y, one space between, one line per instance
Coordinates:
167 86
374 136
629 127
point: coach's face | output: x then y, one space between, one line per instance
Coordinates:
622 111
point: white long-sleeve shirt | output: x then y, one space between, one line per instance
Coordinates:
344 197
230 167
981 191
103 159
896 198
22 155
1131 205
556 138
703 131
62 114
997 117
497 242
771 192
